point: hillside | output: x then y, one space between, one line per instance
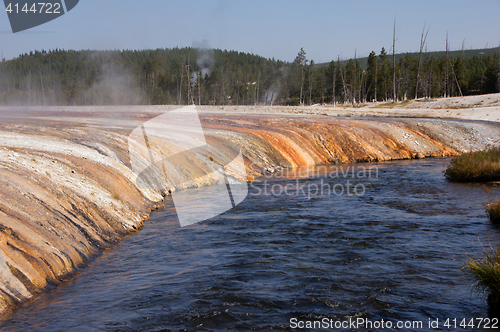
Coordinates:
465 54
215 77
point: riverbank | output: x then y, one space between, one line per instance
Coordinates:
68 190
482 107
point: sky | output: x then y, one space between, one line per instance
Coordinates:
271 28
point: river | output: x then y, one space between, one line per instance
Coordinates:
391 247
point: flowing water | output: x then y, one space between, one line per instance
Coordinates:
391 246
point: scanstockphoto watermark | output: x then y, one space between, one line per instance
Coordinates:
27 14
362 323
170 151
316 181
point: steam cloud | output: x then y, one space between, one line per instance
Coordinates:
114 87
205 59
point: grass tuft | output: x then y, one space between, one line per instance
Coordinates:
492 208
494 211
484 274
478 166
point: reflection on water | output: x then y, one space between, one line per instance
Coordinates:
393 253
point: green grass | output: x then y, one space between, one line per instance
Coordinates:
484 273
478 166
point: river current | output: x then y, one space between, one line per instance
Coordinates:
390 246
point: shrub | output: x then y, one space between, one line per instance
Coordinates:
475 167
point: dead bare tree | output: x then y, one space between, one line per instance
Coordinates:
446 72
301 88
429 86
190 95
354 81
199 88
363 80
334 78
462 57
422 43
177 90
43 90
223 90
188 83
322 89
482 73
29 88
258 83
448 63
255 94
456 80
343 85
310 82
394 61
180 85
498 78
376 74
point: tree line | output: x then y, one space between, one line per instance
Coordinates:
215 77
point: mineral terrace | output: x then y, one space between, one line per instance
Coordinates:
67 190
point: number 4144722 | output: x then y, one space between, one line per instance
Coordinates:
36 8
485 323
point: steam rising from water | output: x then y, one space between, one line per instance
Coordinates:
116 86
272 93
205 60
